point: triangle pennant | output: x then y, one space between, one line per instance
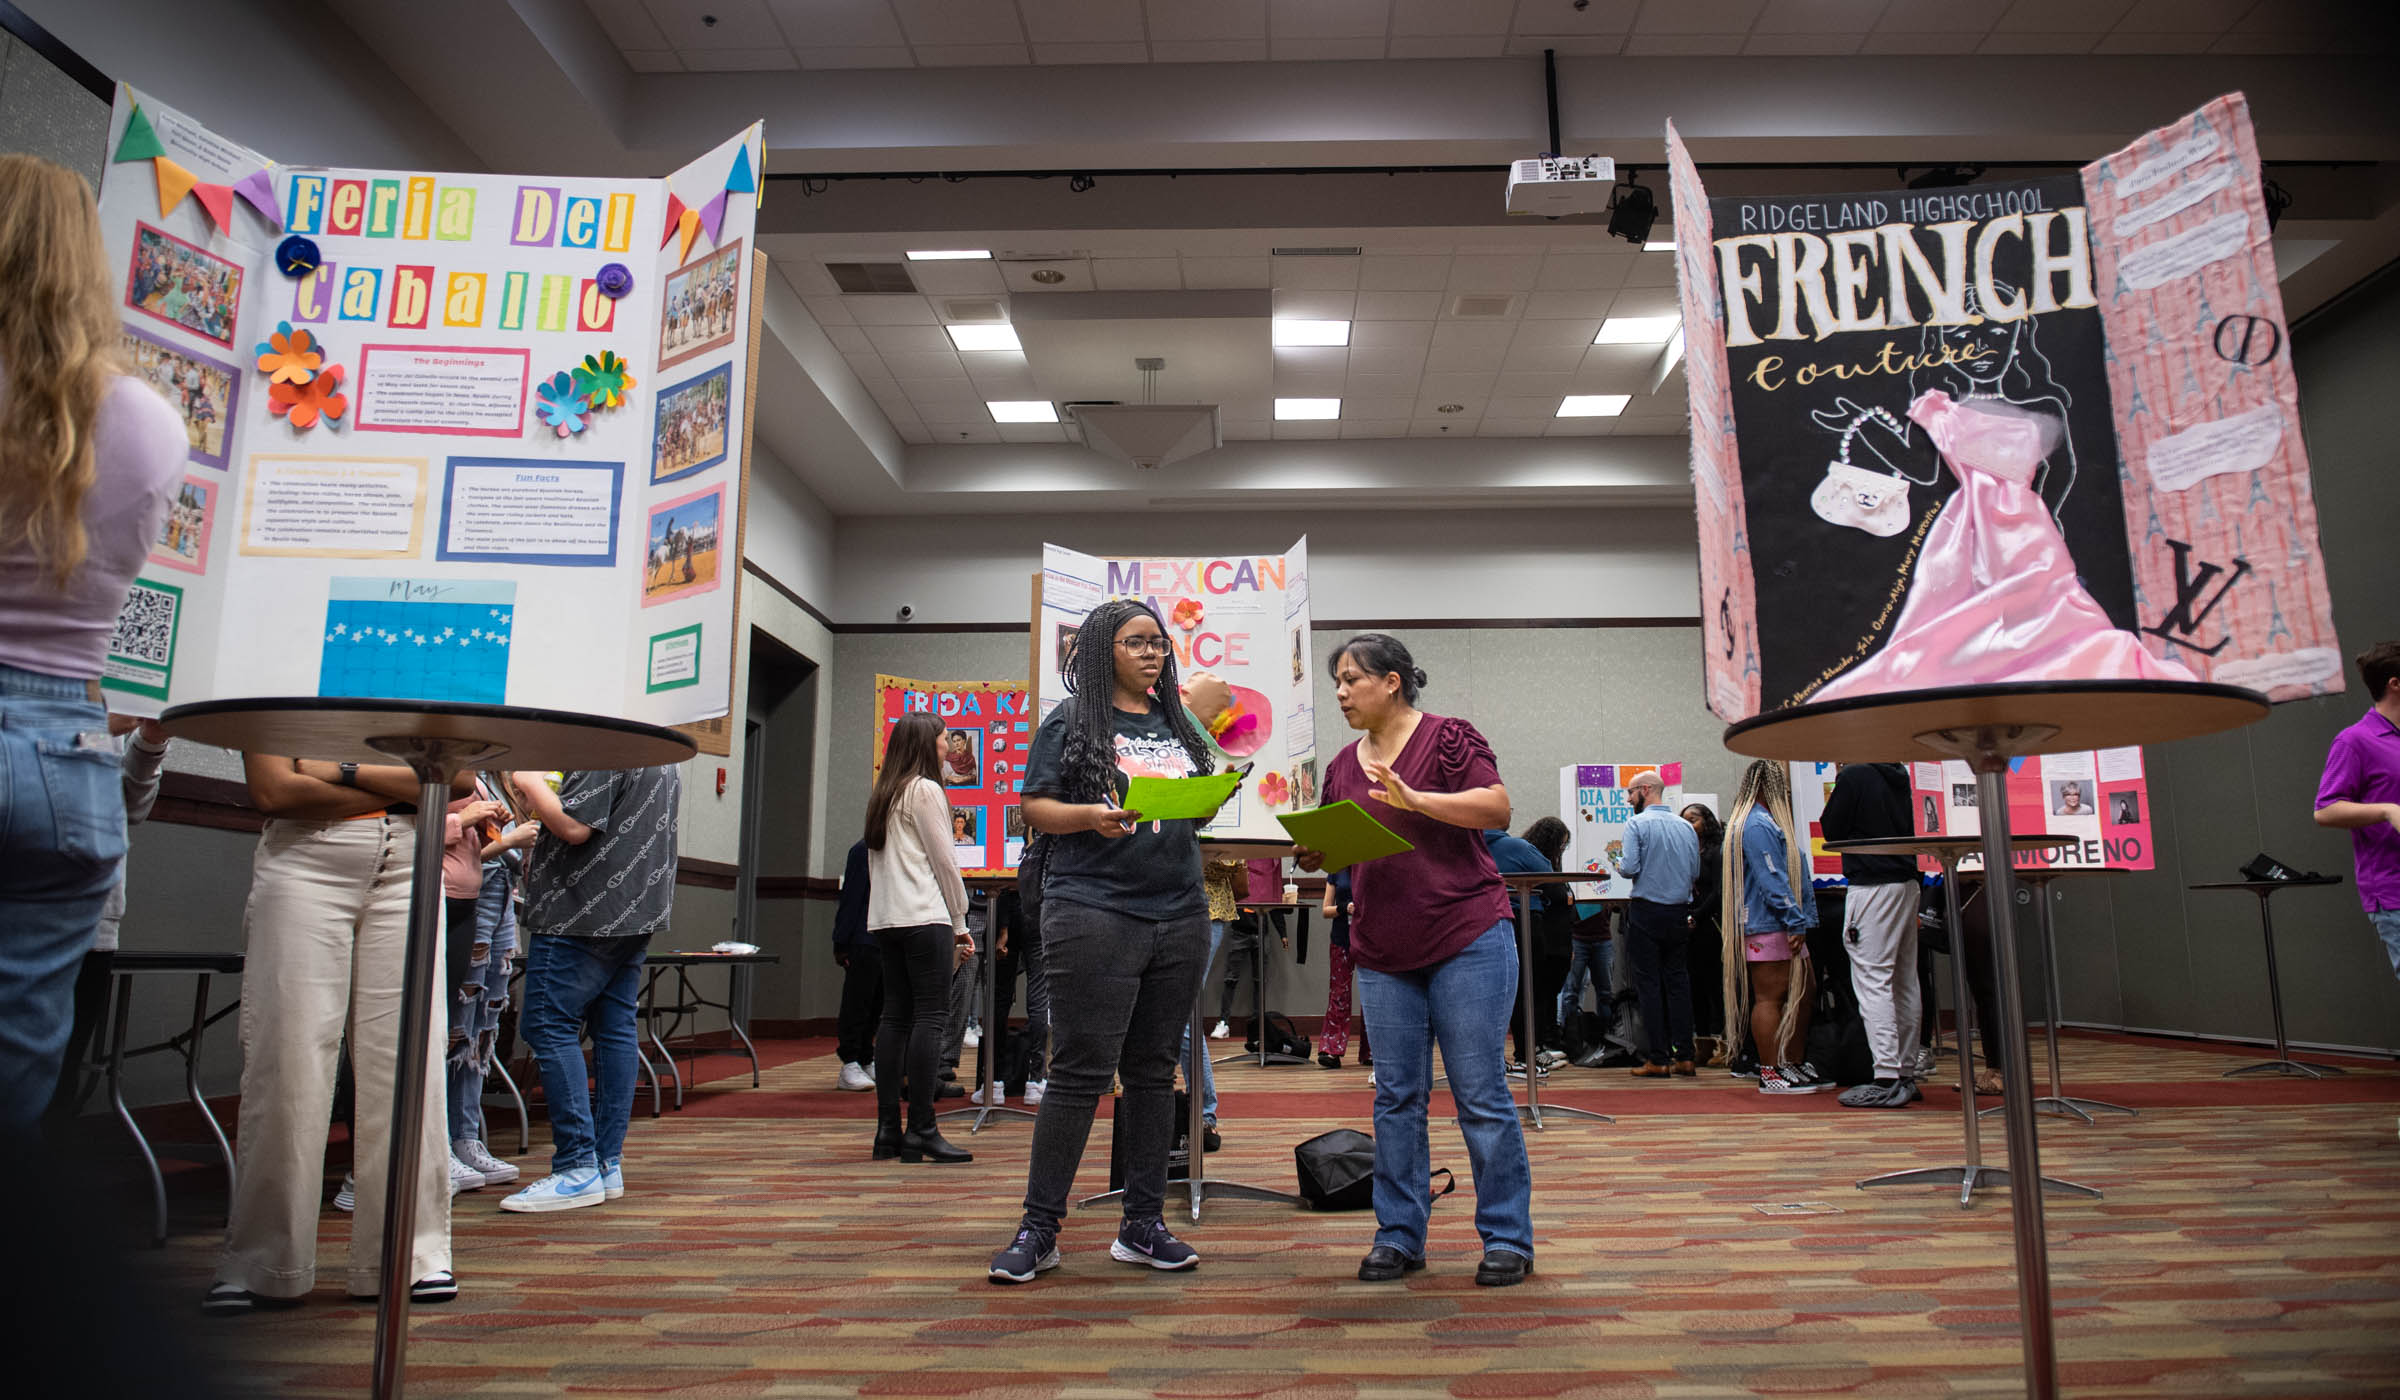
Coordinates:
740 179
689 226
139 142
712 216
675 213
218 201
174 182
260 195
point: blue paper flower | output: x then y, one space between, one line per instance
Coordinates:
562 408
615 280
296 256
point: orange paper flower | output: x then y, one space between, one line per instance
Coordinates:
289 356
303 404
1187 613
1273 790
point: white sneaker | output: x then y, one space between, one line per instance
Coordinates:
1370 1079
472 1152
612 1180
463 1177
1220 1032
576 1186
1034 1089
855 1077
973 1037
346 1199
999 1094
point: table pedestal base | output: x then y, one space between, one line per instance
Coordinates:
1198 1185
2284 1067
987 1045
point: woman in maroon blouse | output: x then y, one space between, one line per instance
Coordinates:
1436 953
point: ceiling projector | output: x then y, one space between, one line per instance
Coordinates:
1556 185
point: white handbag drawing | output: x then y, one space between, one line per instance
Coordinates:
1861 498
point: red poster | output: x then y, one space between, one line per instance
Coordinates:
988 734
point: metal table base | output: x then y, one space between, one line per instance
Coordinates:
988 1087
1197 1183
2057 1103
1532 1110
2283 1063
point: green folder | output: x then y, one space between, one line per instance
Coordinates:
1181 799
1344 834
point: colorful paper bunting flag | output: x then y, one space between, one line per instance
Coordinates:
260 195
140 142
174 182
712 216
740 179
689 226
218 201
675 213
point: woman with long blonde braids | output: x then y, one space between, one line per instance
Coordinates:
1769 909
88 456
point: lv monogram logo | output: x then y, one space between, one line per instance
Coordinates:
2191 588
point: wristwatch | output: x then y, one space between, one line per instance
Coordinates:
349 778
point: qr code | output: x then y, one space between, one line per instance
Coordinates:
146 628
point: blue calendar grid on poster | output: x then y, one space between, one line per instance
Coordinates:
418 639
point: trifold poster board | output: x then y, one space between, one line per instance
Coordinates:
2153 514
2099 798
475 438
1593 803
987 734
1241 618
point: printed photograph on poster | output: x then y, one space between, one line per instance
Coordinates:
502 510
698 312
203 390
454 390
1304 782
183 536
966 833
1962 794
1932 816
1066 645
675 659
2070 798
688 435
1016 830
1299 655
183 285
2125 809
962 758
141 647
300 507
418 639
683 556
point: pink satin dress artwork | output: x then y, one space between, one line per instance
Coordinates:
1995 599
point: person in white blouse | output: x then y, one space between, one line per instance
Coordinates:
917 915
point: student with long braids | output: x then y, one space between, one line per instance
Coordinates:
1769 908
1124 928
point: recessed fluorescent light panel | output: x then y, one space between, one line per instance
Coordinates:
1593 405
1022 410
950 255
986 337
1294 332
1289 410
1659 245
1636 330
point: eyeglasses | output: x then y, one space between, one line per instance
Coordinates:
1146 646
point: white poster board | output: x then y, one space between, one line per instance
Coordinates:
1592 801
1244 619
512 474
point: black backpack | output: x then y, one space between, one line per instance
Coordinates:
1337 1172
1284 1038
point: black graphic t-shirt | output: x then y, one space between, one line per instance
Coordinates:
1153 873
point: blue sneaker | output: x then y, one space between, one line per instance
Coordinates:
1147 1242
566 1190
1033 1251
612 1179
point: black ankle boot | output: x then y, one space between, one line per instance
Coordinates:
887 1134
927 1144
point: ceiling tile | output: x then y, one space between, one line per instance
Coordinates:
995 364
1451 16
1650 272
1567 45
760 60
971 55
1936 16
1091 53
832 311
1818 16
1311 359
2170 16
966 277
909 340
1306 428
1479 335
629 25
1308 386
1464 359
1328 19
1614 369
1580 427
882 56
1208 50
890 310
866 364
1697 16
1553 306
1801 45
1511 273
1549 386
1227 272
1576 331
1446 425
1390 335
1137 274
2122 42
1373 428
1505 404
1452 46
1033 432
2060 16
1398 306
964 432
851 340
740 24
1357 405
1411 273
1382 386
949 23
653 61
1320 274
1394 363
1215 19
1495 426
1549 17
1081 21
1560 361
1646 301
925 365
2031 42
1464 388
1676 45
1248 430
837 24
1322 50
1315 306
1586 272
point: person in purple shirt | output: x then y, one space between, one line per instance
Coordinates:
1436 953
2360 793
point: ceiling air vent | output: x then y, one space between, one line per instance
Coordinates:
876 278
1350 252
974 310
1482 306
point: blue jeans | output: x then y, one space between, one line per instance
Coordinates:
475 1011
1464 1005
62 843
1589 960
572 983
2387 923
1208 1070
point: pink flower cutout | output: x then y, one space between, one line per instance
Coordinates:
1188 613
1273 790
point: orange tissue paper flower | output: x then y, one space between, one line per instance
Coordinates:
289 356
1187 613
303 404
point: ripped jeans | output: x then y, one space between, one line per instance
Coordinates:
475 1010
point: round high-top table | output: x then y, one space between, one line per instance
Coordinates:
1532 1110
2283 1063
436 741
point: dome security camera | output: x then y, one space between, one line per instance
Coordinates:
908 611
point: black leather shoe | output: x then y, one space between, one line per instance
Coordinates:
1501 1268
951 1091
1384 1263
887 1136
931 1146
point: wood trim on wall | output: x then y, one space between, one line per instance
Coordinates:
799 887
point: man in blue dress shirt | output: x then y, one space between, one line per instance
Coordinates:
1662 857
